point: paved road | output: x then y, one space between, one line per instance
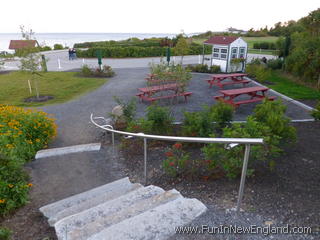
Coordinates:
59 61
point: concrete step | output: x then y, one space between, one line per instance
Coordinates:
155 224
83 225
121 185
92 202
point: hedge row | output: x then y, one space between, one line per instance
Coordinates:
134 51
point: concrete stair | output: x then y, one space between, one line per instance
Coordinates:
121 210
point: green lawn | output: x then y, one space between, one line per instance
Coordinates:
288 87
63 86
252 40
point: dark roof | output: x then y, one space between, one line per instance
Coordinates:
18 44
223 40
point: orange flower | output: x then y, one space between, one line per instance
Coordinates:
169 154
177 145
29 184
2 200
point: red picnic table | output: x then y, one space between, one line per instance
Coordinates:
256 94
147 92
236 78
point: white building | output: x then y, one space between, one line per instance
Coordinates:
226 48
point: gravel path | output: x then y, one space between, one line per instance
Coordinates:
73 117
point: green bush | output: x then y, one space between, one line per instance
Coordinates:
161 119
58 46
221 114
259 72
275 63
316 113
197 124
204 68
86 71
230 160
129 108
272 114
207 121
5 234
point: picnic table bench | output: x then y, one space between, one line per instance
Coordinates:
218 79
256 94
146 93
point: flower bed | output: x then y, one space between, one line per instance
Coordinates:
22 134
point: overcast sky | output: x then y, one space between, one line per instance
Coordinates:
148 16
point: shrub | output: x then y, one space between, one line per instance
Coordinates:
316 113
128 107
207 121
272 114
197 124
5 234
258 71
204 68
177 160
161 119
275 63
58 46
222 114
230 161
86 71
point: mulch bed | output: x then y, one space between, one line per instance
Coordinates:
38 99
288 194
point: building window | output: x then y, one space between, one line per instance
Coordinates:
242 51
224 50
220 53
234 52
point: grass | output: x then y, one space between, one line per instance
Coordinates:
63 86
252 40
282 84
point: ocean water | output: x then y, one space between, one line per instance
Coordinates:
68 39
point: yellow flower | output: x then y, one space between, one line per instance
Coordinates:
37 140
10 185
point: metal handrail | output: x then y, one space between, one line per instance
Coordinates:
247 141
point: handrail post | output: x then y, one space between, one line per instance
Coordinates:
243 176
112 134
145 160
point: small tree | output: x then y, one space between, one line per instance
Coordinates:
182 48
31 62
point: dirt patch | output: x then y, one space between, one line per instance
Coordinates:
38 99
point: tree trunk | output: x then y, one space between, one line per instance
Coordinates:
36 85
